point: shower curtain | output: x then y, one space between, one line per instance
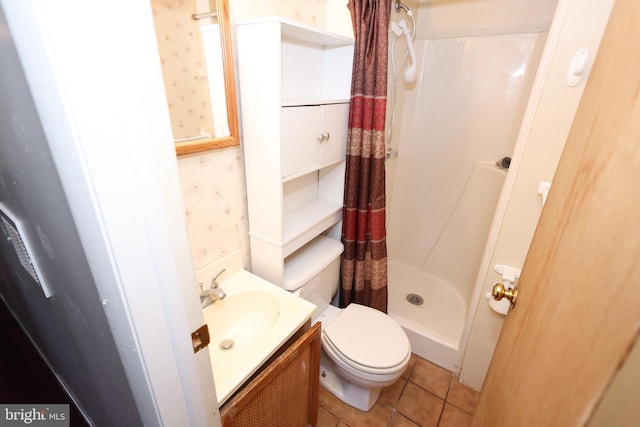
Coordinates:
363 270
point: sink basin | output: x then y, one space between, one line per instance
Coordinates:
240 318
249 325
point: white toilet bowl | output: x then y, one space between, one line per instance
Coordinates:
366 350
363 348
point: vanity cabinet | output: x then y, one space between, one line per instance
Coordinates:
285 392
295 84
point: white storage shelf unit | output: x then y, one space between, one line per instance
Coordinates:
295 84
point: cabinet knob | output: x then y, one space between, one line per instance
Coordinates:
324 137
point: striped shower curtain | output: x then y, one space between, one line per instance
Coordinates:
364 261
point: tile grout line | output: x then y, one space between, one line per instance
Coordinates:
394 409
444 403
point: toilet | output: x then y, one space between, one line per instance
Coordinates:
363 348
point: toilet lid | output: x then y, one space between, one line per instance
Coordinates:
368 337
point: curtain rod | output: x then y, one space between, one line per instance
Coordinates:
198 16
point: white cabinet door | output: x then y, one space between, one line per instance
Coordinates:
300 145
312 136
335 119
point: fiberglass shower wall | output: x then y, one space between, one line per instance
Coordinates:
475 71
465 108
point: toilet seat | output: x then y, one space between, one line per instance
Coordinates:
368 341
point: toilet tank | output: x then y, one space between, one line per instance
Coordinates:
313 272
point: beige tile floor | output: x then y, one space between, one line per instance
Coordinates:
426 395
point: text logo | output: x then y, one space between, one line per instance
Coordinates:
34 415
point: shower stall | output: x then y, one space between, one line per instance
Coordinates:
450 127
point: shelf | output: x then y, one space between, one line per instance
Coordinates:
300 102
295 125
306 222
298 31
297 175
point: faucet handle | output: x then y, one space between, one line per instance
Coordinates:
201 285
214 283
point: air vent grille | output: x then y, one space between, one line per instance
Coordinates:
14 234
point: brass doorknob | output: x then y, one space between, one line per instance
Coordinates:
500 291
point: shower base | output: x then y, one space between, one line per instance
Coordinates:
434 327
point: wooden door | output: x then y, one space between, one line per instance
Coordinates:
578 311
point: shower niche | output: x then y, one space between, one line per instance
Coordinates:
295 87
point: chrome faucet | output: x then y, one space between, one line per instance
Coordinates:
214 293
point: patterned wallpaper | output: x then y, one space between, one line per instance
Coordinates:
183 67
214 197
213 183
310 12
